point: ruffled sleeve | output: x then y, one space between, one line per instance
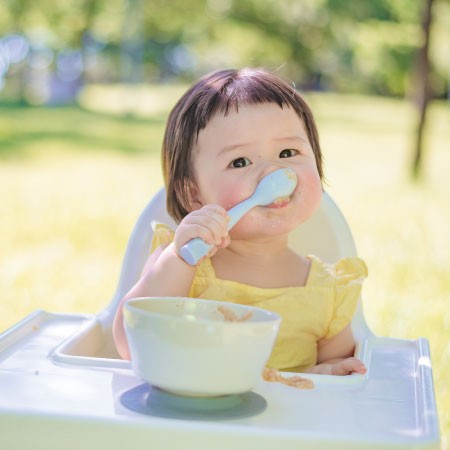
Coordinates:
350 274
162 234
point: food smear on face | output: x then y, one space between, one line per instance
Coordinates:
280 202
230 316
298 382
291 175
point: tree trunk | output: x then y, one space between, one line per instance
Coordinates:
423 93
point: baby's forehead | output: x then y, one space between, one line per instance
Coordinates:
226 117
254 109
250 122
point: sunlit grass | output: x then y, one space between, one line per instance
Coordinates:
74 182
65 229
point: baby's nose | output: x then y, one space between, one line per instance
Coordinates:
269 168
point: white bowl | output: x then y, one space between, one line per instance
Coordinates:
185 346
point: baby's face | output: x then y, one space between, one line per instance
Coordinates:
235 152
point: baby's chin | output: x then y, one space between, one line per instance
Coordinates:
263 228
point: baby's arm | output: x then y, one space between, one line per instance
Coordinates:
166 273
335 355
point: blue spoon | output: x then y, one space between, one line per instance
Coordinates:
279 183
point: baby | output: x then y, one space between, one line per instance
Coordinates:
227 132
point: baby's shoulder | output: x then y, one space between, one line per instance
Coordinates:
341 271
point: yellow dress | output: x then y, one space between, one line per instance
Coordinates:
319 309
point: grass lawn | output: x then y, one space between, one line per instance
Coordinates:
73 182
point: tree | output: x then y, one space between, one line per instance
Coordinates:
423 93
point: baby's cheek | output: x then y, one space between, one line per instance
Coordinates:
311 187
232 195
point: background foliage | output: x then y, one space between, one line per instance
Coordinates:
364 46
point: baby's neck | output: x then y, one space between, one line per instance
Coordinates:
258 249
262 266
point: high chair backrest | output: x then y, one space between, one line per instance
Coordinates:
326 235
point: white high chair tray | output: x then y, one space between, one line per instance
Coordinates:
49 402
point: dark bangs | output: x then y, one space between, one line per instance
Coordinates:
225 91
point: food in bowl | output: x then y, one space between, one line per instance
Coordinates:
230 316
187 347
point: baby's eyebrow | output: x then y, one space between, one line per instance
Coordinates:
293 138
238 145
231 147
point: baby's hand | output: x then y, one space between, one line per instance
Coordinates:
347 366
344 366
209 223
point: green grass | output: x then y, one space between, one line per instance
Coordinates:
74 181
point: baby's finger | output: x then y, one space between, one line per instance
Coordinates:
211 209
214 219
214 212
225 241
348 366
359 367
208 230
211 220
189 231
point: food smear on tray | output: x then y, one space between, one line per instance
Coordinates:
296 381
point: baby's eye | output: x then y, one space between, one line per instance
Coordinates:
240 162
288 153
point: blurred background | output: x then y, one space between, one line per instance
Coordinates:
85 90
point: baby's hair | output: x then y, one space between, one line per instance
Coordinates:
221 92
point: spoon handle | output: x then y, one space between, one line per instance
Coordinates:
194 250
197 248
236 212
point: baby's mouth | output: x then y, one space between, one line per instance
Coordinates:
280 202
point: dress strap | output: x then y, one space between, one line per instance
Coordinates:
162 234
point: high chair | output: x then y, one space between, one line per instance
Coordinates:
62 381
